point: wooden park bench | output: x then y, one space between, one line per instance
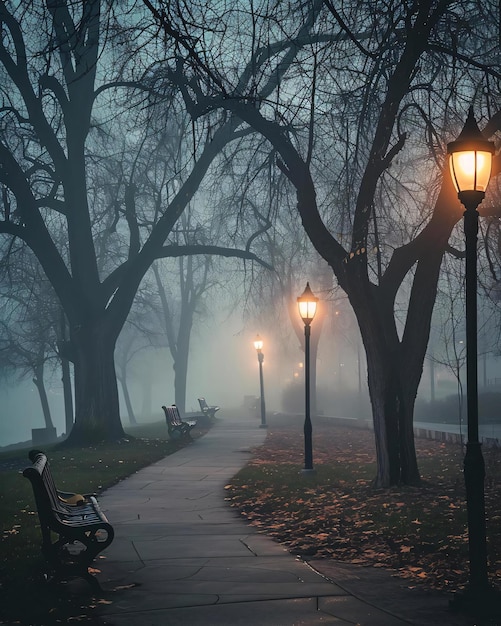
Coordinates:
209 411
176 427
81 527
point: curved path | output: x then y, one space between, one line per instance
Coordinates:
181 555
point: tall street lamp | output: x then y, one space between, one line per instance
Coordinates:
307 304
470 158
258 344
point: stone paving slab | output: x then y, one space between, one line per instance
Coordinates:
355 612
380 589
297 612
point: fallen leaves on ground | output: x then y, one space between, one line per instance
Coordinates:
418 532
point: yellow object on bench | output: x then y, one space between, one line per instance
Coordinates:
75 499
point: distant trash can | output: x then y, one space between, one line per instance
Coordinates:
43 436
251 404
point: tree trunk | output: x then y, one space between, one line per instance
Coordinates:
128 403
393 380
181 366
38 381
67 395
146 387
65 373
392 400
97 412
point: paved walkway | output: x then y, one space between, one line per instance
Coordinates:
181 555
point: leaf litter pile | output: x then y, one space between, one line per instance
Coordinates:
420 533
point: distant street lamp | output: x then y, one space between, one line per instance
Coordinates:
258 344
307 304
470 165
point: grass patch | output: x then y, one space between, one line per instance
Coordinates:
80 470
418 532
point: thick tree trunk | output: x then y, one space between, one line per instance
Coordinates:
392 400
393 379
97 413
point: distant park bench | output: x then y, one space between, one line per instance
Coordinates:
82 529
176 427
209 411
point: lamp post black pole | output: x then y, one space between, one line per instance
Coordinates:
260 358
470 164
308 446
474 467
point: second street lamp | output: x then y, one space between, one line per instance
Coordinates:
307 304
470 164
258 344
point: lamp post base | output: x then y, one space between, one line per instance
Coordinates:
308 472
479 603
263 425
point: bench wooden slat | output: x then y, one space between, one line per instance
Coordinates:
84 523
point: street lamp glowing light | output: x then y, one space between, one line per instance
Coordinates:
258 343
307 304
470 159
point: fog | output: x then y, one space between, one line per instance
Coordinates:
224 369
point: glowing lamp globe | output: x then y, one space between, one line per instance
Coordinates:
470 159
258 343
307 305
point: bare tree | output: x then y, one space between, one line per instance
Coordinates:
373 93
66 93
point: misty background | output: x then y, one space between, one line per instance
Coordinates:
223 367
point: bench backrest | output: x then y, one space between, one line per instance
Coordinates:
203 404
43 483
44 489
172 415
